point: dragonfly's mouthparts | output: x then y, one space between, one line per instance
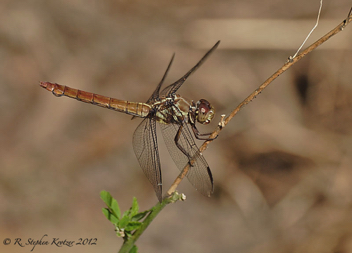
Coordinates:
205 112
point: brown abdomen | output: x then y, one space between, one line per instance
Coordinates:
132 108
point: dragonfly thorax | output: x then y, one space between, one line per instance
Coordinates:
204 111
172 109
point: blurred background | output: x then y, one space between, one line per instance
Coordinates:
281 168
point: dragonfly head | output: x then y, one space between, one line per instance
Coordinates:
204 112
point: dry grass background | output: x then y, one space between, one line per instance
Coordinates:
282 168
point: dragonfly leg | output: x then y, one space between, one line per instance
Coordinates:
177 138
198 135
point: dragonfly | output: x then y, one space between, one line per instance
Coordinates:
177 117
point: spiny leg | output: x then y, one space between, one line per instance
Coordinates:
177 138
197 134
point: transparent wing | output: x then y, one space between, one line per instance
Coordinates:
172 88
155 94
145 147
199 174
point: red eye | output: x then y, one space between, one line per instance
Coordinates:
205 111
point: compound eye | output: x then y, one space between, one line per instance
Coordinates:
205 112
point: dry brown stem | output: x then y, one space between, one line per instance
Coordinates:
286 66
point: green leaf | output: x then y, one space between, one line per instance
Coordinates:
128 234
133 225
124 221
127 213
106 197
115 208
110 216
106 212
139 216
134 249
135 207
111 203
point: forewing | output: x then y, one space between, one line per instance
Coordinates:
199 174
155 94
172 88
145 147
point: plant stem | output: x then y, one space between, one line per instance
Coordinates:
129 242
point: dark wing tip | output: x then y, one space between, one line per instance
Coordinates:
158 191
211 180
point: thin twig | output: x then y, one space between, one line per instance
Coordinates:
315 26
286 66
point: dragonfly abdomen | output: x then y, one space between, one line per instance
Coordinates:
132 108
